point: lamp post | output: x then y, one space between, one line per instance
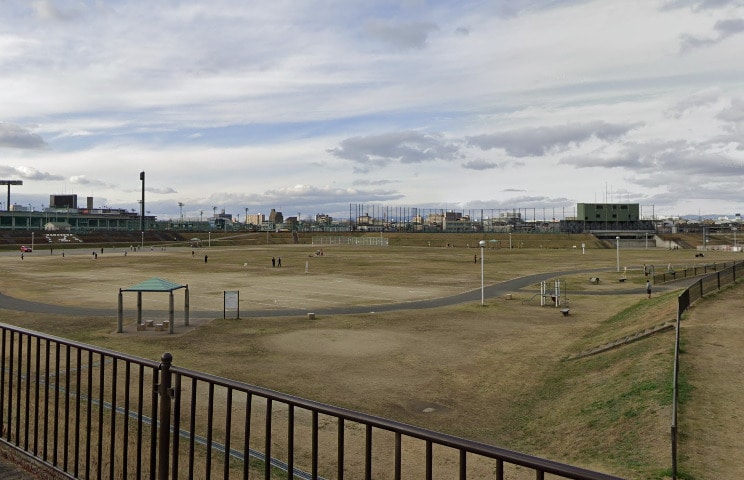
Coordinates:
482 244
617 239
734 229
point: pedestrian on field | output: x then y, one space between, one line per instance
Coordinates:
648 288
279 261
205 258
273 262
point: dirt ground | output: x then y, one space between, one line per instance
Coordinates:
459 369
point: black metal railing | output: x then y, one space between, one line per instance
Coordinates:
687 271
706 285
88 412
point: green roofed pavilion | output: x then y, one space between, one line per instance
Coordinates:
154 285
157 285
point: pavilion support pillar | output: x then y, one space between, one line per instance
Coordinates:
120 314
170 312
186 307
139 308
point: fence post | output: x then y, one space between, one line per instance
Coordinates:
165 392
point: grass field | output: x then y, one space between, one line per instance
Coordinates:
495 373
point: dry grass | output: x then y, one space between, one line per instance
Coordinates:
493 373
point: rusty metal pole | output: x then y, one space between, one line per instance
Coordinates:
166 394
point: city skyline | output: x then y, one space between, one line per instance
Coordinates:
308 107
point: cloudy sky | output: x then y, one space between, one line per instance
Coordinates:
307 106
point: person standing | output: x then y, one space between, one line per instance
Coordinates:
279 262
648 288
273 262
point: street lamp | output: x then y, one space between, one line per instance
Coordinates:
617 239
734 229
482 244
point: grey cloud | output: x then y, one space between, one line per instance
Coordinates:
700 99
625 160
724 29
46 10
372 182
672 163
735 113
698 5
84 180
27 173
14 136
542 140
163 190
402 147
402 36
480 164
526 201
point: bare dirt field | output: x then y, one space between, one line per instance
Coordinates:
493 373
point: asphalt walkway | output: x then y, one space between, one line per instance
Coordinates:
490 291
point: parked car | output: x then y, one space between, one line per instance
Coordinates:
24 248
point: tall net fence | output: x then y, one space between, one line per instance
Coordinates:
339 240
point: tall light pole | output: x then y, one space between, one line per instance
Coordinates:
142 205
246 216
734 229
482 244
617 239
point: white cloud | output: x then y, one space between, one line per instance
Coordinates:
308 105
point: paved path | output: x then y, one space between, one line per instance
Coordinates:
490 291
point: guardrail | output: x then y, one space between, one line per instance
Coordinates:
706 285
88 412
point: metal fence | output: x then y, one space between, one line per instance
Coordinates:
88 412
706 285
690 271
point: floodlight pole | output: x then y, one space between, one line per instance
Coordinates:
142 211
482 244
734 229
617 239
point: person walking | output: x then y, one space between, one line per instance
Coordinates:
648 288
273 262
279 262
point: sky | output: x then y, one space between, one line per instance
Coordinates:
308 106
